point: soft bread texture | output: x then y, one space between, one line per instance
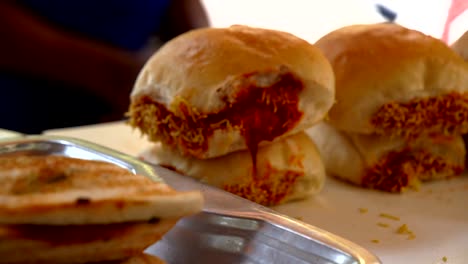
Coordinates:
60 190
288 170
349 156
340 157
207 68
461 46
114 243
383 63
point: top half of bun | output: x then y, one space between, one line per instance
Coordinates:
204 68
382 63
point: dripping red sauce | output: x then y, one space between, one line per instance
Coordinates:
261 114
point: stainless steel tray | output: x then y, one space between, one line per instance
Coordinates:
229 230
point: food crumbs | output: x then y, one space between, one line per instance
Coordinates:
363 210
444 259
382 224
389 216
375 241
404 230
416 185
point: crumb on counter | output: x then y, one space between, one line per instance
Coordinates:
444 259
383 224
389 216
363 210
375 241
416 186
404 230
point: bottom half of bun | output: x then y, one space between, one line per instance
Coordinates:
286 170
388 164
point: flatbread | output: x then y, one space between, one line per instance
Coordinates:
113 243
58 190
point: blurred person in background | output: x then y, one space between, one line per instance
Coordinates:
71 63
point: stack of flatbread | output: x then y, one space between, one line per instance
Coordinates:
62 210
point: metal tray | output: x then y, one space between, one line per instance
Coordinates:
230 229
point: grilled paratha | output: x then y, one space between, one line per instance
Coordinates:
58 190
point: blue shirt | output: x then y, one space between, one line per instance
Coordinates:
127 24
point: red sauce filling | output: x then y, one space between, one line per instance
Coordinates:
263 120
399 169
260 114
390 174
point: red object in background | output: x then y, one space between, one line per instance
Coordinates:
457 7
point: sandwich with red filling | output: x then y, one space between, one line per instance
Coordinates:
401 107
214 92
390 164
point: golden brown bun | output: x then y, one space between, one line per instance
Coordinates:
288 170
208 71
353 157
81 243
461 46
384 63
61 190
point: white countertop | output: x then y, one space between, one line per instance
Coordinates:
311 19
436 214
